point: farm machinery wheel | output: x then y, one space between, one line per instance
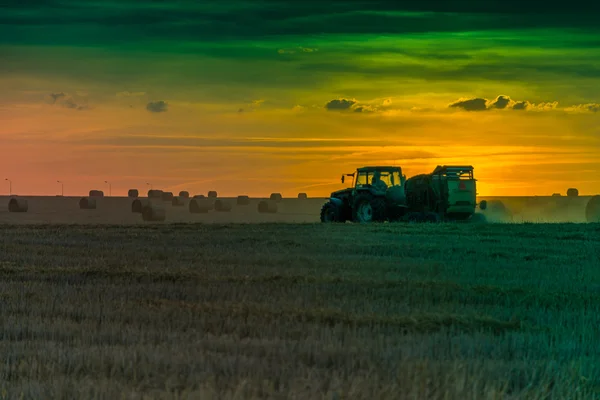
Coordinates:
478 218
331 213
414 217
368 208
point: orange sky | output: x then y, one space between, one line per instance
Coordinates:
192 147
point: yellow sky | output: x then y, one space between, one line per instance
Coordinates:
202 146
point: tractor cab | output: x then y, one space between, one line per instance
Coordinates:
371 176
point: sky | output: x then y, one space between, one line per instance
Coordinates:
254 97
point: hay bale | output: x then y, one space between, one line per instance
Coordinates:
302 196
212 194
96 193
556 195
199 196
155 194
87 203
154 212
18 205
138 205
222 206
167 196
200 205
267 206
592 210
243 200
275 197
572 192
178 201
184 194
134 193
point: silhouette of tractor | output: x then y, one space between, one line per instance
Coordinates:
382 193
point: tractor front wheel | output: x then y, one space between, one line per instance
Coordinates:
331 213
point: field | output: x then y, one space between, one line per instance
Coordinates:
306 311
117 210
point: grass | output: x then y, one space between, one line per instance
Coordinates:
452 311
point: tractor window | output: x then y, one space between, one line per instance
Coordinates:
362 178
460 174
395 179
386 178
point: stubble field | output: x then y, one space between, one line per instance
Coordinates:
307 311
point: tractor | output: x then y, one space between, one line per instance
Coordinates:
382 193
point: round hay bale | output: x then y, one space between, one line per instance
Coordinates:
556 195
134 193
154 212
199 196
267 206
200 205
212 193
18 205
592 210
572 192
155 194
222 206
178 201
96 193
138 205
167 196
184 194
302 196
87 203
275 197
243 200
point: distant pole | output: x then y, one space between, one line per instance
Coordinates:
9 186
149 184
109 188
62 188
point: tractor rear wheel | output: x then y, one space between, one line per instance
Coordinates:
432 217
414 217
330 212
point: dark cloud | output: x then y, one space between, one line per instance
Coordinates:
340 104
521 105
130 20
67 101
56 96
157 106
475 104
505 102
501 102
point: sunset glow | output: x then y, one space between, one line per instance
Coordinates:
260 97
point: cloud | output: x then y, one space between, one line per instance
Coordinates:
501 102
57 96
475 104
590 107
67 101
364 109
298 50
298 108
340 104
505 102
130 94
156 106
521 105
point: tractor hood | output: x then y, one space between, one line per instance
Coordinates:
341 193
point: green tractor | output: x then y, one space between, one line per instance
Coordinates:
382 193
